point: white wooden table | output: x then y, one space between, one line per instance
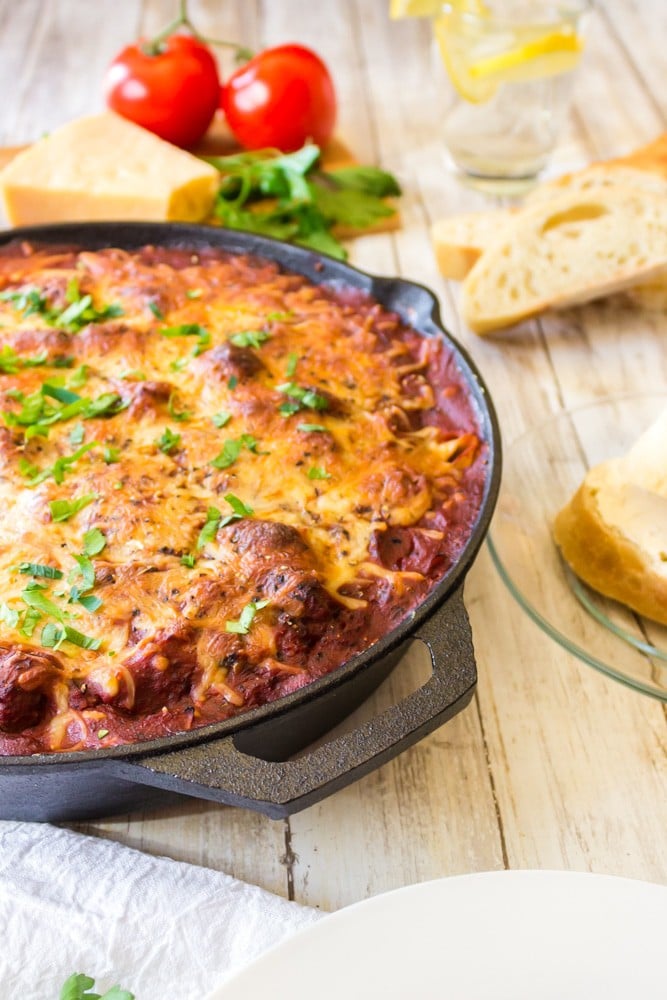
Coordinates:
552 765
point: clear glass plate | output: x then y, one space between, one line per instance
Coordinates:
541 471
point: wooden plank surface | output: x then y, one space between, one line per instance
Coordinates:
552 765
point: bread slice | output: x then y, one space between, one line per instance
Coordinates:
575 248
613 532
459 240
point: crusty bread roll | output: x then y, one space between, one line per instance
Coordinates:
613 532
574 248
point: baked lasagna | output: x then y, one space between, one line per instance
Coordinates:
219 482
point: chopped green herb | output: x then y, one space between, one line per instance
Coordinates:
90 602
249 338
79 378
8 615
101 733
57 392
87 571
54 636
168 441
63 361
29 621
77 434
111 454
232 382
78 986
11 362
292 362
180 415
37 569
221 419
279 317
188 560
40 602
134 375
155 309
210 529
233 448
240 510
60 467
318 472
189 330
246 618
63 510
290 197
311 428
180 363
78 313
300 398
94 541
193 293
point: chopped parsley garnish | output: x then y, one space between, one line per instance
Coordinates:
233 448
63 510
318 472
240 509
210 529
77 434
8 615
177 414
155 309
300 398
53 636
94 541
78 986
78 312
189 330
249 338
38 414
168 441
11 362
37 599
215 520
221 419
311 428
58 470
290 196
39 570
242 625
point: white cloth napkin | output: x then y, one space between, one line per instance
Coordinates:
162 929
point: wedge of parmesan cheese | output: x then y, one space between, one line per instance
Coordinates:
105 167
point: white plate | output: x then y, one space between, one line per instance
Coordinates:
511 935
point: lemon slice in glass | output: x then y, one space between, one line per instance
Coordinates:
478 58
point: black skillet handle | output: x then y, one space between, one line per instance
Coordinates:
219 771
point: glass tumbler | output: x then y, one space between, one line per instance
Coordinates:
510 66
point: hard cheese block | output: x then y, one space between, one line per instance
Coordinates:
105 167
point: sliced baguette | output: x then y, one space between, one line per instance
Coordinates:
460 240
578 247
613 532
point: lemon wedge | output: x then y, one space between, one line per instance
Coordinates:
477 75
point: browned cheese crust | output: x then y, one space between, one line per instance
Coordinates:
219 481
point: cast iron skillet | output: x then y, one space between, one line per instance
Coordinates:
243 761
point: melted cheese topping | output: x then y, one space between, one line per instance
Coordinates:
235 388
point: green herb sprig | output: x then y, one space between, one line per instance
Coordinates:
289 196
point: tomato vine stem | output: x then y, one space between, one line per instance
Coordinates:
153 47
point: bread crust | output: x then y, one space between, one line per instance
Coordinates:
604 558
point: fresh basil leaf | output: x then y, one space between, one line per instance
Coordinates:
94 541
63 510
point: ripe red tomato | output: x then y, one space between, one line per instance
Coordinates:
174 92
281 98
